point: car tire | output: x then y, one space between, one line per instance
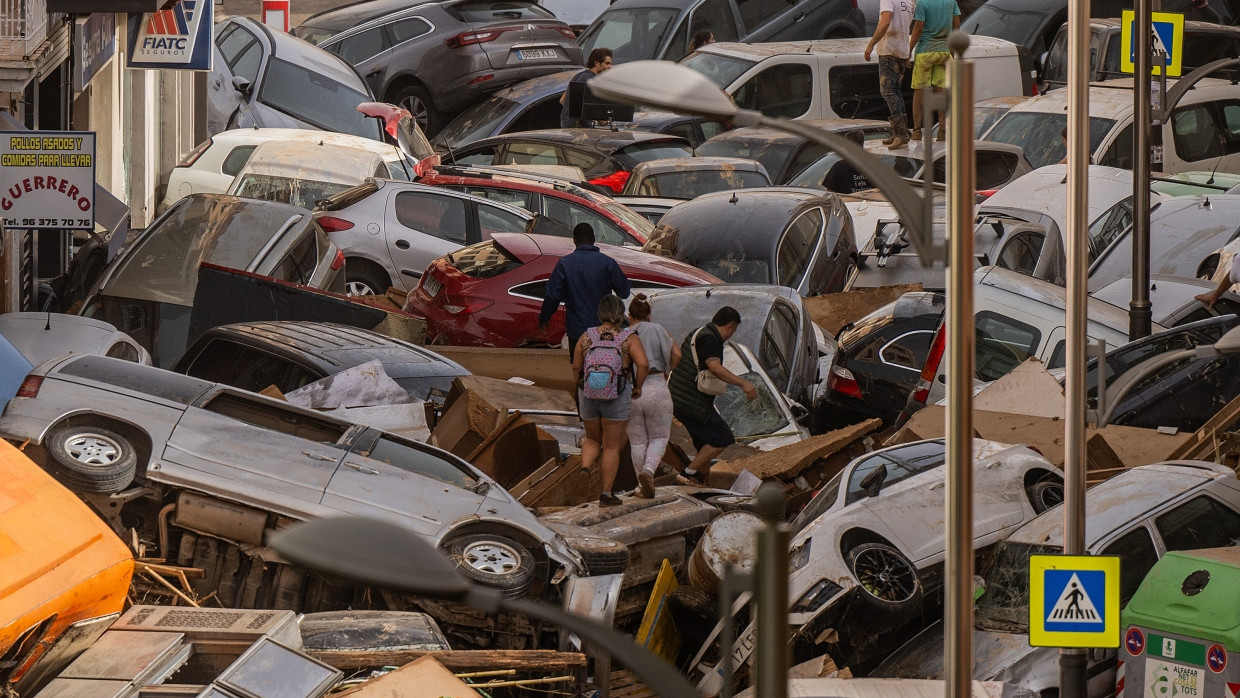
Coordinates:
360 281
1044 495
600 555
91 460
889 584
733 502
694 612
495 561
417 100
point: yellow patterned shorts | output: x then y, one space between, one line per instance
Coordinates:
930 69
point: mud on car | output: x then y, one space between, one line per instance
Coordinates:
199 473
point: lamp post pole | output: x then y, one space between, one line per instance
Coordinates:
1140 311
958 611
1072 661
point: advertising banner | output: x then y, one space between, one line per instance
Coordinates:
47 179
174 39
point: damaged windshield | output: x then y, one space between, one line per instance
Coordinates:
753 419
1005 605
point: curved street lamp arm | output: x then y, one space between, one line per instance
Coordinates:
906 201
1136 374
1184 84
657 674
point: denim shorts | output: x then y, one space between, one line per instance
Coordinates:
615 410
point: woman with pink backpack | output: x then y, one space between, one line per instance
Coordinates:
605 359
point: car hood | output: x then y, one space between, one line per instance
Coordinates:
996 656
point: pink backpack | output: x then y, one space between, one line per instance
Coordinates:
603 375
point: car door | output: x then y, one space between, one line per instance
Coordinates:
389 477
367 51
420 226
897 360
910 510
252 449
783 87
237 52
796 249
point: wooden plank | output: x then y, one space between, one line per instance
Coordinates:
524 661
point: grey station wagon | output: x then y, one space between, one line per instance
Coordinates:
178 454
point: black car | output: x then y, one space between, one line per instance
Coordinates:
1034 23
436 58
879 359
288 355
1184 395
766 235
534 104
598 152
785 154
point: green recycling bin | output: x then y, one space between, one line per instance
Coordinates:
1182 629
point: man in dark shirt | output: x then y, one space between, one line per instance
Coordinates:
842 177
600 60
580 280
695 409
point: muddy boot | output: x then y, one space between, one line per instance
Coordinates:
915 134
899 133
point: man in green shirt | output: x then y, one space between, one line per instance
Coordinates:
933 22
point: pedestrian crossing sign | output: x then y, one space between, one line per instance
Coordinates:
1073 601
1167 42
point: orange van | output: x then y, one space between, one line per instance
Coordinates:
64 574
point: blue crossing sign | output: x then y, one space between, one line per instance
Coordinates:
1074 601
1167 42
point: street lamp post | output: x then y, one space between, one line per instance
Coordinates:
677 88
384 555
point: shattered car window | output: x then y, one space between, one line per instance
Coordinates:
751 419
1005 605
821 503
287 190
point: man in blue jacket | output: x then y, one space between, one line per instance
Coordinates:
580 280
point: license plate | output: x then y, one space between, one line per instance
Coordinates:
431 285
530 53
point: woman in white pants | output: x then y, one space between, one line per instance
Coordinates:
650 416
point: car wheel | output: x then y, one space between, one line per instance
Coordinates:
1044 495
600 555
363 282
495 561
88 459
418 102
889 583
1208 267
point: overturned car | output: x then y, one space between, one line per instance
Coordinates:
200 473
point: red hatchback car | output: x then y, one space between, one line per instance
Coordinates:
489 294
564 202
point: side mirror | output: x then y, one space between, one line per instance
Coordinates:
241 85
873 483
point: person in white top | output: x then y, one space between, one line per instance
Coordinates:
891 37
1232 278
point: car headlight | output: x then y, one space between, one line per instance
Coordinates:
817 596
798 556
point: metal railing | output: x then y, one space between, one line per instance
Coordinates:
23 26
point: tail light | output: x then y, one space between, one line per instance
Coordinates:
332 224
842 381
461 305
572 35
983 194
481 78
338 262
476 37
30 386
195 154
931 369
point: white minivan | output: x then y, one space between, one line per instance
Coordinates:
1015 317
1200 135
830 79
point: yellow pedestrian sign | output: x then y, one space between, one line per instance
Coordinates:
1167 42
1073 601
